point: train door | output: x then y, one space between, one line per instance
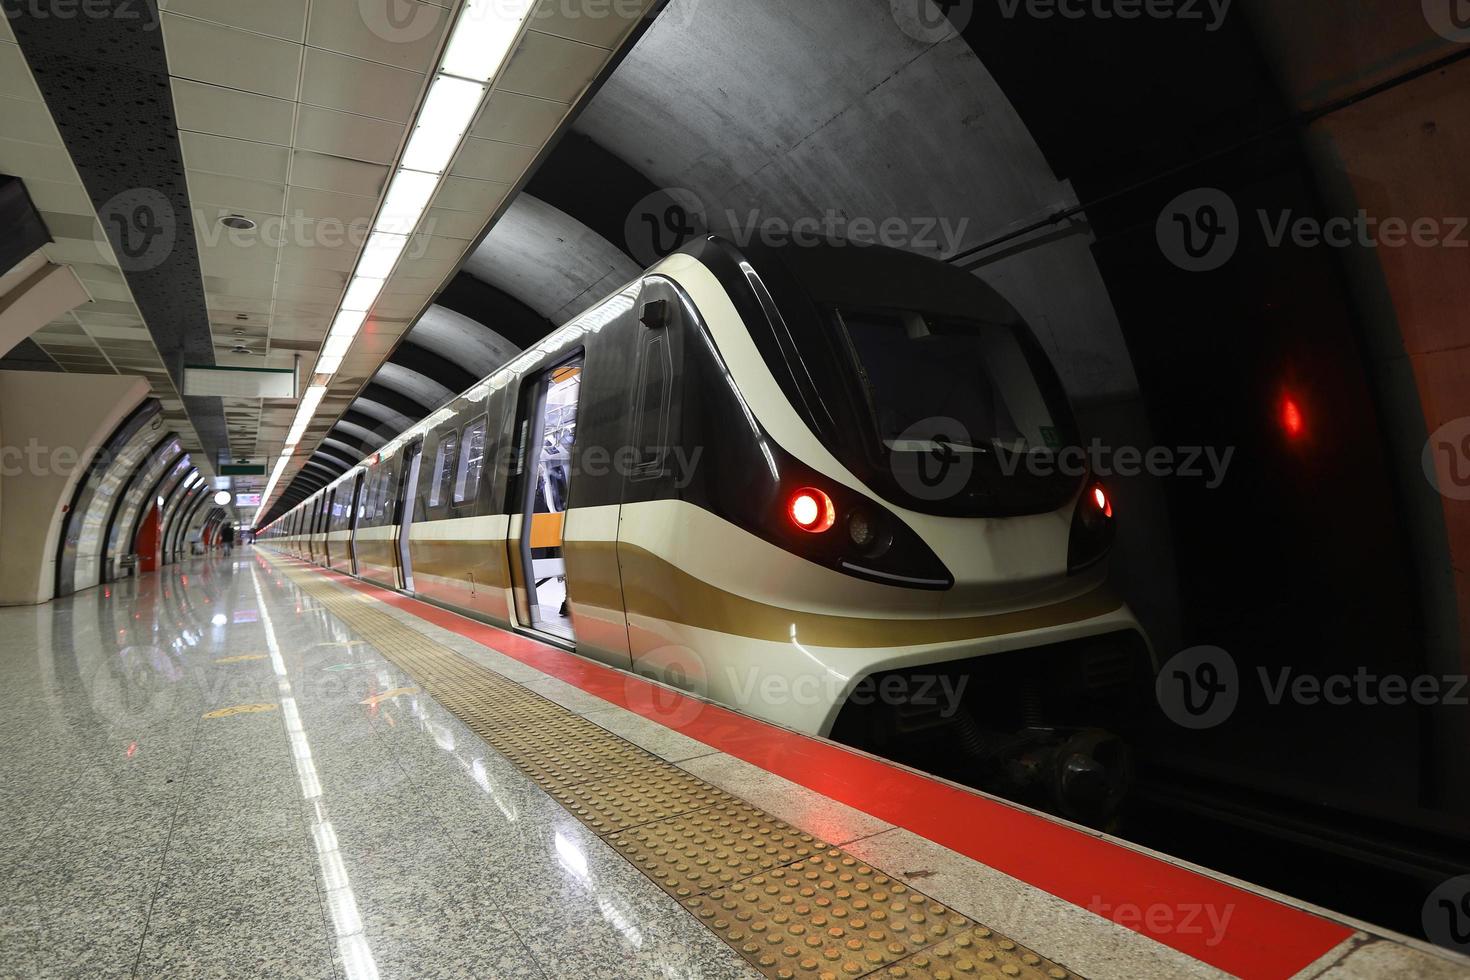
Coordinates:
329 502
354 511
407 500
548 429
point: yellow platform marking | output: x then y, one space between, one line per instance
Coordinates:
243 658
788 903
240 709
377 699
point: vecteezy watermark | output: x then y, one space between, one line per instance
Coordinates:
1209 13
1163 918
926 233
935 459
1201 687
1201 230
751 686
35 459
666 220
1363 231
140 227
1198 687
1446 459
1450 19
932 21
1446 915
1207 463
120 10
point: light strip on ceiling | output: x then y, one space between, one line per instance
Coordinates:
480 44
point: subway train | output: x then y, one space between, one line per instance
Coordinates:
816 484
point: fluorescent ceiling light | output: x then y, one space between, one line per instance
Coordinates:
337 346
328 363
348 323
447 114
380 255
483 37
362 294
407 199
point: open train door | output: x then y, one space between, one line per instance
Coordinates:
408 507
546 430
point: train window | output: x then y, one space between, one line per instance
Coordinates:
650 435
443 469
467 482
914 369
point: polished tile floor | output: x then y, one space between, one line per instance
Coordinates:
206 774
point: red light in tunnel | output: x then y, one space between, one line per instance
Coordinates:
812 510
1291 417
1100 498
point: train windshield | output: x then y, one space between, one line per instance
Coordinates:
953 415
946 385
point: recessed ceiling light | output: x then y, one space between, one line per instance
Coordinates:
237 222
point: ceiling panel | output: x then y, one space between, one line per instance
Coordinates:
336 81
235 193
278 18
344 134
203 108
466 194
513 118
15 77
552 67
489 160
220 55
353 177
235 158
21 119
409 40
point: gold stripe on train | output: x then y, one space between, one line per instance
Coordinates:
606 575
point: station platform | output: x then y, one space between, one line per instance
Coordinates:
250 766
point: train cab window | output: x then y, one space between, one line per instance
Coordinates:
931 384
471 461
444 461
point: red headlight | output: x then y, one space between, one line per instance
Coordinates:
812 510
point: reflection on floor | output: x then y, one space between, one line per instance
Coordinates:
206 774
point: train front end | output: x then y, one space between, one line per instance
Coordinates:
929 564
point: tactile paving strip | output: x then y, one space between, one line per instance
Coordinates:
713 848
788 903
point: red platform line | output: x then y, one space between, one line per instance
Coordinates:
1170 904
